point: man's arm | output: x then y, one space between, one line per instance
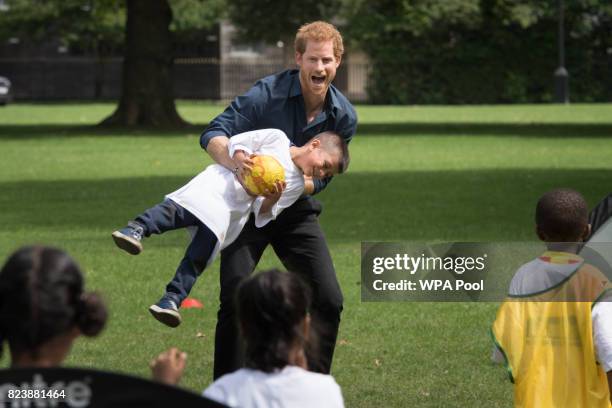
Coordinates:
308 185
218 151
319 185
240 116
239 163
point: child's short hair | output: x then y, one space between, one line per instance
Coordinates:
335 145
562 215
319 31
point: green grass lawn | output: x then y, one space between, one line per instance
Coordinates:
417 173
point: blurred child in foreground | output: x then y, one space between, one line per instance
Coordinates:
44 307
273 316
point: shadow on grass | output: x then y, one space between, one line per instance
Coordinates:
487 129
19 132
556 130
476 205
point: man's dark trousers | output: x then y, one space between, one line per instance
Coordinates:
298 241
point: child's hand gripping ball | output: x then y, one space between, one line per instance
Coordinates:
264 174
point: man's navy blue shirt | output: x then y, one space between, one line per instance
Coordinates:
277 102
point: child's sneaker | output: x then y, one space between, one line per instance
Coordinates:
129 238
166 311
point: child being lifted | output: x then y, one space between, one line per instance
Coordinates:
215 205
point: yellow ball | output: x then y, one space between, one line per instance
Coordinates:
266 171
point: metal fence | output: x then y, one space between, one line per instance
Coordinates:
90 79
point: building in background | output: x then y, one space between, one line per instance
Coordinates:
208 65
243 64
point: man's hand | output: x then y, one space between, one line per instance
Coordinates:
242 163
168 367
308 185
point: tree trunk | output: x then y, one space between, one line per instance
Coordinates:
147 97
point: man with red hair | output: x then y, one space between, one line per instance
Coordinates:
302 103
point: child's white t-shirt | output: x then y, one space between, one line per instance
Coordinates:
291 387
217 199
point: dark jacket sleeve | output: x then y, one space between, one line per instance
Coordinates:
240 116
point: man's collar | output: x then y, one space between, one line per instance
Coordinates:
333 100
296 87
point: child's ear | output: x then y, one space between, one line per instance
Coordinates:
316 143
586 233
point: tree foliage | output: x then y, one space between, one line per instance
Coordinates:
76 23
481 51
274 20
189 15
83 25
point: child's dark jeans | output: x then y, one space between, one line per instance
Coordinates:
168 216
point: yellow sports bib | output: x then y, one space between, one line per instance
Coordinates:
546 339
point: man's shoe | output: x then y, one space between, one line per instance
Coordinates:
166 311
129 238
